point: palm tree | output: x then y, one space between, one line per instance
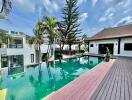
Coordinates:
37 39
52 33
6 7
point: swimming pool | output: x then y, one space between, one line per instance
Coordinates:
36 82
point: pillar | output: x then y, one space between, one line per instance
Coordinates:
9 62
0 61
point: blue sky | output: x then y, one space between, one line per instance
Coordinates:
95 15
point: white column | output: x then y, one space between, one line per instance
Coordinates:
9 61
0 61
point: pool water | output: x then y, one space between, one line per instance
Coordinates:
36 82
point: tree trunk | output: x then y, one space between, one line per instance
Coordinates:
62 46
79 47
48 51
39 55
70 51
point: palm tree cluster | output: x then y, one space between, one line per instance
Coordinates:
46 28
63 32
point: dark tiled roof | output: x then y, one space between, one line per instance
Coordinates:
116 32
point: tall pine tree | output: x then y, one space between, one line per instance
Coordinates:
70 22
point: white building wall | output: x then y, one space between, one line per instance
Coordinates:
27 51
122 51
95 47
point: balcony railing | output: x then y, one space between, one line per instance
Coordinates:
15 46
12 46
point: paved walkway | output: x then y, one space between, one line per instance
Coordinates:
117 84
84 86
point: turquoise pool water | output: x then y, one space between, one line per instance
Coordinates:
36 82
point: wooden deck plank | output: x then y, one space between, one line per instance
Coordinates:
77 86
117 83
105 87
101 85
113 83
122 87
113 87
116 96
107 83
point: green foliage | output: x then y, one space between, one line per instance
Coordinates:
51 28
37 39
71 17
84 37
4 37
70 22
107 56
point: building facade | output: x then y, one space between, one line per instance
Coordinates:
18 53
118 40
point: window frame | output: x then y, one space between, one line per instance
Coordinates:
32 58
127 46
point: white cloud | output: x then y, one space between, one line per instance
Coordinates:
33 5
83 17
94 2
27 5
124 21
125 3
81 1
109 14
51 6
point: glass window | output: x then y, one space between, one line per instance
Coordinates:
32 58
91 45
4 61
128 46
16 61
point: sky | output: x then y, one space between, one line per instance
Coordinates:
95 15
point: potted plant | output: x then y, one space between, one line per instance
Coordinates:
107 56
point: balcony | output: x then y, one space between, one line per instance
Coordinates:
15 46
12 49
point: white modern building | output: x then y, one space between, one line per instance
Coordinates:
117 39
19 53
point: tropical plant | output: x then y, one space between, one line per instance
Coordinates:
84 37
61 36
71 25
107 56
6 7
37 39
52 33
4 37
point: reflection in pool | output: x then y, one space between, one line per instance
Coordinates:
36 82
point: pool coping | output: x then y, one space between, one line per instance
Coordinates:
67 90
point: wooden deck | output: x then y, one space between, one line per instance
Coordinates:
109 82
83 87
117 84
